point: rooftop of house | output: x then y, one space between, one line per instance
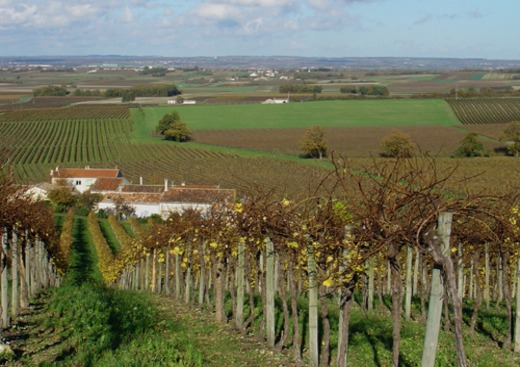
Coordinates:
143 188
133 198
86 172
114 187
189 194
106 184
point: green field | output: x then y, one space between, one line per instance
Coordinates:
394 112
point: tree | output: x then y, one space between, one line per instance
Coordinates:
313 144
172 128
470 146
123 209
86 202
128 96
62 198
512 138
397 145
50 90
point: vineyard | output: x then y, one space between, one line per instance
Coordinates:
295 271
114 112
486 110
102 136
307 250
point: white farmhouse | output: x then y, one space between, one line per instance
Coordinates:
81 179
146 200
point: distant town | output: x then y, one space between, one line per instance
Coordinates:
256 62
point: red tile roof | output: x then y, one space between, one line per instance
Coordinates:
134 198
86 173
184 194
106 184
175 195
144 188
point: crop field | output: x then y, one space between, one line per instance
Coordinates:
304 115
46 102
347 141
493 131
72 113
227 150
486 110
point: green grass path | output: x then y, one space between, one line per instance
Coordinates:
85 323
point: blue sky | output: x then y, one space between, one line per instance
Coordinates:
333 28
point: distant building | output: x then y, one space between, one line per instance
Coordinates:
276 101
185 101
144 199
82 178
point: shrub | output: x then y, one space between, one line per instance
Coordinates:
397 145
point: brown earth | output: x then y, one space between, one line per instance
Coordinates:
347 141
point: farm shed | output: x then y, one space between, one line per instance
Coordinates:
276 101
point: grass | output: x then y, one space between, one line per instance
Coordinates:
85 323
109 235
302 115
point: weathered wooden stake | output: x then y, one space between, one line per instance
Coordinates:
4 281
408 292
15 297
239 317
313 310
270 291
517 321
436 295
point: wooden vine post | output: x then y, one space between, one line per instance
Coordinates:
177 277
4 280
517 316
313 309
270 291
167 290
202 275
239 318
14 276
409 289
433 323
371 265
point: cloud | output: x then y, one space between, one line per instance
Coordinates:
475 14
424 19
266 17
59 13
17 15
136 25
128 15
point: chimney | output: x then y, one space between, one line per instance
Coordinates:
183 183
165 184
141 181
52 172
87 167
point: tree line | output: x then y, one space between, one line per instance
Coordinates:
156 90
366 90
300 88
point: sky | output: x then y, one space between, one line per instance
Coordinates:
327 28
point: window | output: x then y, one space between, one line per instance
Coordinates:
78 182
